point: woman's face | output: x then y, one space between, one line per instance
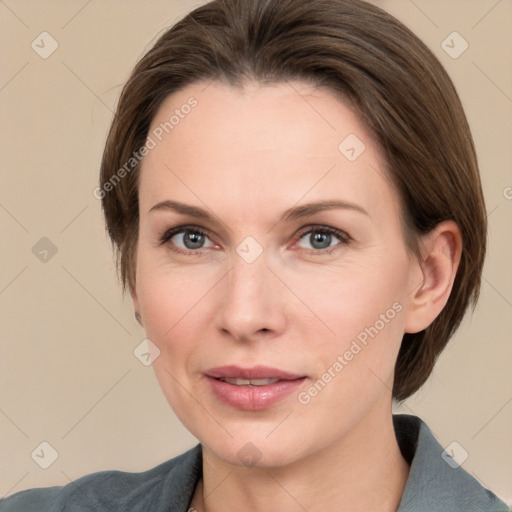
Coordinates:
249 278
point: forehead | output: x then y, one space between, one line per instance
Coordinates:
254 115
261 144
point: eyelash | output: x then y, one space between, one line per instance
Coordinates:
344 238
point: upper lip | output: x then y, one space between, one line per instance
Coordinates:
255 372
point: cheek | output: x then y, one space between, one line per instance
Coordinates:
349 301
176 311
363 312
171 308
167 293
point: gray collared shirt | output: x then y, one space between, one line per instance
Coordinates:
435 483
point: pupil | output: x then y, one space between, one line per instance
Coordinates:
323 238
196 240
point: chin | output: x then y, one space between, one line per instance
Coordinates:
256 450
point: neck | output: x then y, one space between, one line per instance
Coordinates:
364 471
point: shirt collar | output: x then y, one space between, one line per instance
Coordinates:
435 483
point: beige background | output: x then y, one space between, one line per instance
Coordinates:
68 373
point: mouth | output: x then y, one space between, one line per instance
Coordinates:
252 389
251 374
249 382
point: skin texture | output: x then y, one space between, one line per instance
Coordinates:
246 156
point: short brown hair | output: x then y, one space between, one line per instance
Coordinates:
371 60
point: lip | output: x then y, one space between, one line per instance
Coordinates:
252 398
256 372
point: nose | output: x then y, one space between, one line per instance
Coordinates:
252 302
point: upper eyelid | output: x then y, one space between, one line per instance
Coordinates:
322 227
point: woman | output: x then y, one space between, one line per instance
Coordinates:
293 193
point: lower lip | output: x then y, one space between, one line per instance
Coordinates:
254 398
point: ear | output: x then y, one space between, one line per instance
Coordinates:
440 257
136 305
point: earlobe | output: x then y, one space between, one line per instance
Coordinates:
441 252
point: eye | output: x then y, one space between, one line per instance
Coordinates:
186 239
321 238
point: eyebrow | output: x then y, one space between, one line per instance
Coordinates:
294 213
185 209
299 212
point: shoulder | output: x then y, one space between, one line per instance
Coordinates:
115 490
436 480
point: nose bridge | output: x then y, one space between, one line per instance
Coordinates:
250 299
247 282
